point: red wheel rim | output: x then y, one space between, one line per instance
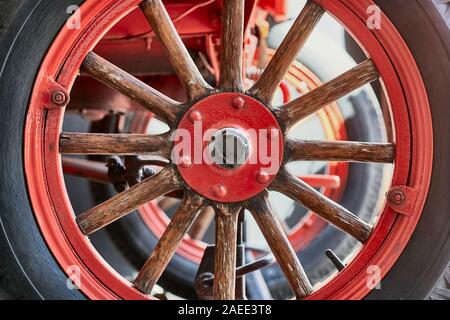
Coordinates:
413 162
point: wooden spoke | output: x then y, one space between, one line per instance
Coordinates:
123 203
168 244
110 144
114 77
321 205
329 92
340 151
201 224
92 170
176 51
232 45
153 162
281 248
265 87
225 252
167 203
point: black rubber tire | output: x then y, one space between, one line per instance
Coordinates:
7 10
426 30
23 252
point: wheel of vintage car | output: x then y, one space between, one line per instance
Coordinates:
53 69
309 235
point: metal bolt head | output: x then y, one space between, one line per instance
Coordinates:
220 191
262 177
59 98
195 115
396 197
238 103
185 162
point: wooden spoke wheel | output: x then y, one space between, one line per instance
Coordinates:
330 180
226 188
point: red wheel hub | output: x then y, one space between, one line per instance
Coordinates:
249 136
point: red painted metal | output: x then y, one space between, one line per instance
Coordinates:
322 181
55 96
91 170
54 214
277 8
286 93
190 18
229 110
402 199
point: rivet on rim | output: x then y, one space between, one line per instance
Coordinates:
185 162
396 197
262 177
195 115
402 199
219 191
59 98
238 103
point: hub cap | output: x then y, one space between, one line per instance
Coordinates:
229 148
235 150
